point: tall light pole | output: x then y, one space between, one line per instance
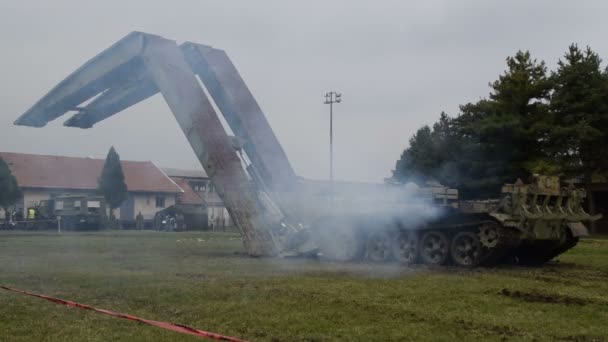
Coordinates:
331 98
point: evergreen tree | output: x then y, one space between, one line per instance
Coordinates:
503 131
429 156
447 144
9 189
112 182
578 135
492 141
577 138
417 160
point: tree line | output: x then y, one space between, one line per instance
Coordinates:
534 121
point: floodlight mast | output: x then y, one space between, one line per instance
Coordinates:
331 98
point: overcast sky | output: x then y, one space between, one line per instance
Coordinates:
398 64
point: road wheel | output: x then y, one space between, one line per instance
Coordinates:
379 247
466 249
405 247
434 248
489 235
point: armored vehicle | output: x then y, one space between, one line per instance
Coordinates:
69 211
79 212
529 224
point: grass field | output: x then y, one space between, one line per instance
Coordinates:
203 280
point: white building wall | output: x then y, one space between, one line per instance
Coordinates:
33 197
218 217
146 204
217 214
143 202
2 214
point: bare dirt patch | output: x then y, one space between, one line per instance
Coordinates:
538 297
583 338
503 331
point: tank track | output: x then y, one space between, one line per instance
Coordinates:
436 245
407 246
538 253
508 240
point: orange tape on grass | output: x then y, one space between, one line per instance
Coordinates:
184 329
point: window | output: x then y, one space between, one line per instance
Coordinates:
94 204
198 186
160 201
93 207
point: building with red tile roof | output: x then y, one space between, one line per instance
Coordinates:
42 176
198 189
189 196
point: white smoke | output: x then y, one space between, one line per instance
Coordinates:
342 217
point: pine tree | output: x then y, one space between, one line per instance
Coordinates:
492 141
9 189
429 155
504 129
578 135
112 182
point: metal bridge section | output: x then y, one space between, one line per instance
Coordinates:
231 95
141 65
242 113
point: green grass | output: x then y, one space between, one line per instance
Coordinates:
203 280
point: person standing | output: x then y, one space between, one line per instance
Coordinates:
139 221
